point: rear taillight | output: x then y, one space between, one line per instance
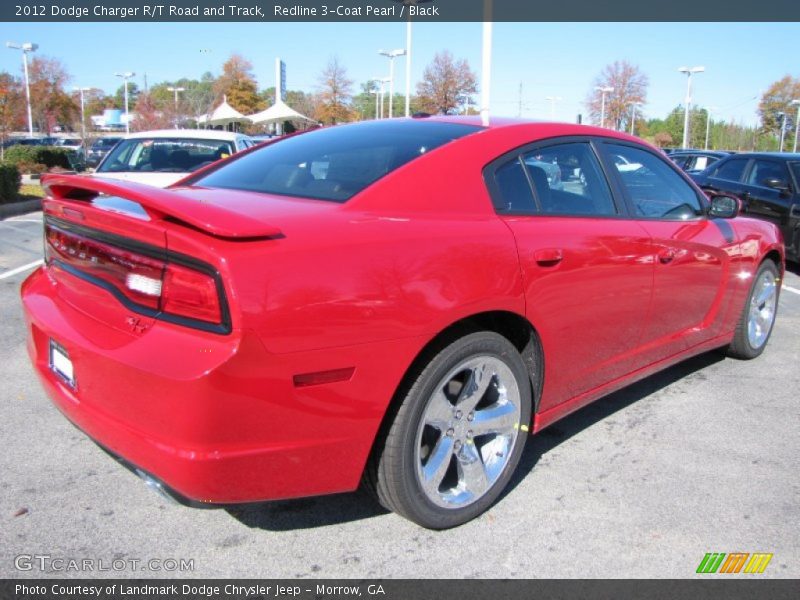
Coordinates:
155 285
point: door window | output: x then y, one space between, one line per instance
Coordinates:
766 169
731 170
653 186
568 180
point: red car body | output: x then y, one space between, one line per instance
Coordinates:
326 306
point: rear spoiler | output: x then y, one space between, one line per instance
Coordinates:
161 204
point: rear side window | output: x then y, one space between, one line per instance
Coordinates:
334 163
568 180
731 170
654 188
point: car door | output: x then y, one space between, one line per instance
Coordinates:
691 263
765 201
587 268
727 176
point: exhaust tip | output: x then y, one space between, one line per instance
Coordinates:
156 486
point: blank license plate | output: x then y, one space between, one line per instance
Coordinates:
61 364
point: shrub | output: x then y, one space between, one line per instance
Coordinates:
49 156
10 181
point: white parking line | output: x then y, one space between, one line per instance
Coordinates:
21 269
791 289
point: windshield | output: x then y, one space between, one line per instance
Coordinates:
334 163
164 155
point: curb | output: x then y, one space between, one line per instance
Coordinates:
19 208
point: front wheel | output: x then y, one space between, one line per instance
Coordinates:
458 434
758 315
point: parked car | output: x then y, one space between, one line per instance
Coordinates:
768 185
161 158
694 161
399 302
99 149
77 155
29 141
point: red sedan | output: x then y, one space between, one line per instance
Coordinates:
399 302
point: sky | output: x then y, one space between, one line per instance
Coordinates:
546 59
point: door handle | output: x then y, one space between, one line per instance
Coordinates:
666 255
548 257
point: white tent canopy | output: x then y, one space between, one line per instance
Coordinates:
277 113
224 114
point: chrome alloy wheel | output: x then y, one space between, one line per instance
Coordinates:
763 302
467 432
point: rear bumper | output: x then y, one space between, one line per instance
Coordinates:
217 418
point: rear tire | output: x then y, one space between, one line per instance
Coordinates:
457 436
758 315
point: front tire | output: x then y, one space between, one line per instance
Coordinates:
458 434
758 315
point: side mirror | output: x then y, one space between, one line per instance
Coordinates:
776 184
724 207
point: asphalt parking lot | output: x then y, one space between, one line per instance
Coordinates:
701 458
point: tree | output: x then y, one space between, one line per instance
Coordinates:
133 96
446 84
663 139
50 104
776 100
629 85
238 85
149 116
335 94
12 103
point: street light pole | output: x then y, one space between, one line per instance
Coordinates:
377 99
391 55
80 90
796 124
176 90
408 66
26 48
126 76
689 71
603 91
783 128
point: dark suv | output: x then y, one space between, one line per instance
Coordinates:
99 149
767 183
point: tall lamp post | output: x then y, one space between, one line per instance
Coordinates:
603 91
126 76
80 90
176 90
709 112
27 48
782 115
633 115
391 55
377 100
796 124
553 100
689 71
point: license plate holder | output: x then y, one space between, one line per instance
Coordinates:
61 364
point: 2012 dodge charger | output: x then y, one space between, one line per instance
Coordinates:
399 302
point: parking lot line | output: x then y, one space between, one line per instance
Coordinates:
21 269
791 289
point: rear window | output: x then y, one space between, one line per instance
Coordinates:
334 163
164 155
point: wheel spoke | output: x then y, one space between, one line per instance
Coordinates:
498 418
475 387
435 469
471 470
766 294
439 411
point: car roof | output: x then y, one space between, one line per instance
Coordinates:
205 134
782 155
